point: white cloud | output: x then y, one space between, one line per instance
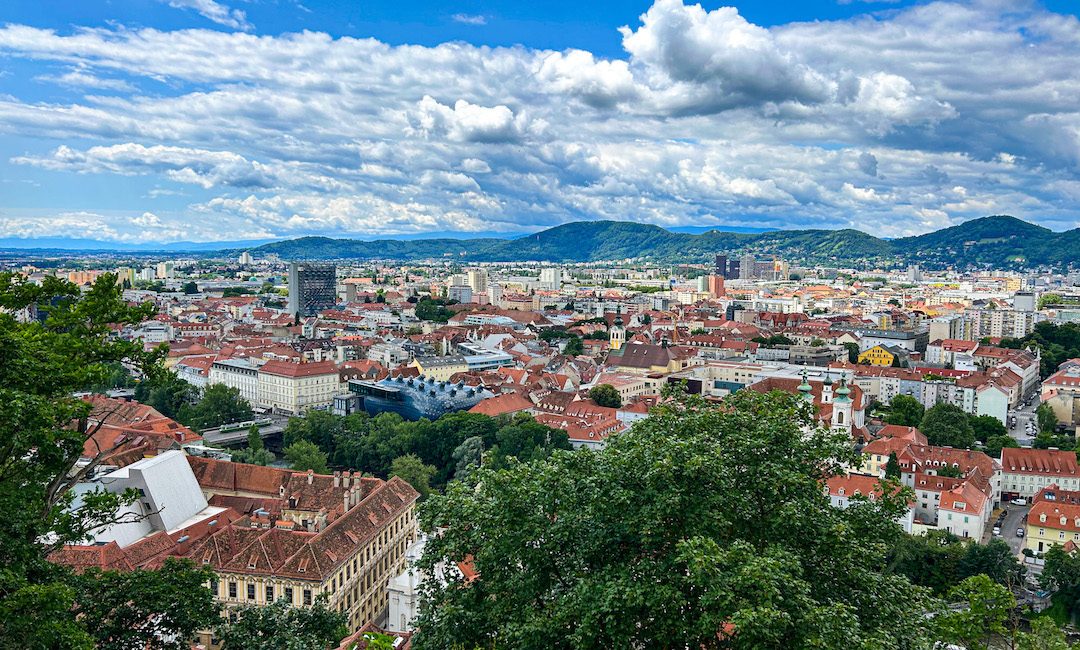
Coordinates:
469 19
870 122
467 122
214 11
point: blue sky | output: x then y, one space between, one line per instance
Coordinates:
166 120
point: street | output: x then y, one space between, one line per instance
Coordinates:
1014 519
1024 415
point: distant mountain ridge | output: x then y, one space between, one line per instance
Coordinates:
1000 241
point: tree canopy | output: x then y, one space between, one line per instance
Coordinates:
906 411
701 527
280 626
946 425
56 338
605 395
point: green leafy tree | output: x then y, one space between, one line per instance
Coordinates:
1061 575
117 376
413 471
319 427
304 455
280 626
892 467
190 288
164 608
905 411
853 352
256 452
220 404
68 347
1047 420
947 425
984 613
676 530
1044 635
525 439
605 395
166 393
994 559
929 560
468 456
995 444
573 346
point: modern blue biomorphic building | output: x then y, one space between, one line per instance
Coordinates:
416 397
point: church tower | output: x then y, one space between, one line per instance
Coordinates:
617 333
841 414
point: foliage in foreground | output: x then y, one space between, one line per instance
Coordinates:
69 346
698 521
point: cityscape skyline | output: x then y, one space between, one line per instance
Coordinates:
198 120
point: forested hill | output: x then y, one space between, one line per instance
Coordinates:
999 241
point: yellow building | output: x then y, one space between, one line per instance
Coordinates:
1054 519
878 355
440 368
343 536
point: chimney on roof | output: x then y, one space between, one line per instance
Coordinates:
345 502
310 476
337 479
345 478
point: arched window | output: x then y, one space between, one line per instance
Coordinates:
840 417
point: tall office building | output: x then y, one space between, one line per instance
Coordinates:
551 279
721 266
166 270
312 287
747 267
716 285
478 281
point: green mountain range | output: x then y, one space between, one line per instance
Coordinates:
997 241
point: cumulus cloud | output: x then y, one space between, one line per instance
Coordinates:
466 122
707 61
894 123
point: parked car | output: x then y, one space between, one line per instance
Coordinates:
1019 501
1019 532
997 531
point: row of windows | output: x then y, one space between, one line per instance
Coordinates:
270 593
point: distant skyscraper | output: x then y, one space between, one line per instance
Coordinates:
245 258
165 271
747 266
312 287
478 281
551 279
721 266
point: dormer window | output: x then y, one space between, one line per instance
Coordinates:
1042 518
1063 520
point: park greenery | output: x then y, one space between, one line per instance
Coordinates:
210 407
947 425
371 444
1056 343
280 626
434 309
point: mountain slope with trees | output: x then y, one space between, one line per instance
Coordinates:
999 241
